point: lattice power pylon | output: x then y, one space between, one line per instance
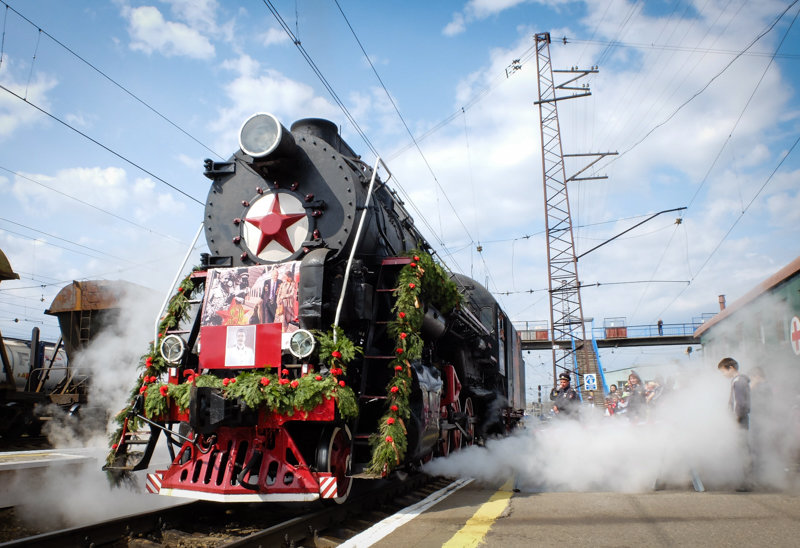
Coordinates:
567 328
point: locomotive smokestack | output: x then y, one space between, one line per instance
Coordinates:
721 303
262 136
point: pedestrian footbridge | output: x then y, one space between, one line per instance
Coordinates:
614 334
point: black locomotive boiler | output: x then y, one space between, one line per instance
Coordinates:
287 362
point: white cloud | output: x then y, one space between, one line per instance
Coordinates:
14 113
255 89
274 36
151 33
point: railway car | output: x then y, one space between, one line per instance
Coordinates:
320 339
36 374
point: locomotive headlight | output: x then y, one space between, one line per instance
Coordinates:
263 135
301 344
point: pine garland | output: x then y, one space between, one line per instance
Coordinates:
256 388
422 278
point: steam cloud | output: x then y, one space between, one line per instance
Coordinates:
72 495
688 430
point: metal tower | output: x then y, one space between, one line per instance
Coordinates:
567 329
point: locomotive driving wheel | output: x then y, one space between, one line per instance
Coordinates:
469 411
455 433
333 456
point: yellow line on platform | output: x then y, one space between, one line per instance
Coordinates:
478 525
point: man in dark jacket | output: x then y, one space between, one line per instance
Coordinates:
739 401
565 399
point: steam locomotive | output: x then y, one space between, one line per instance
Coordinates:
308 250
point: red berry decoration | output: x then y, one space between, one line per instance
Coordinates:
403 335
395 390
341 383
413 265
402 315
390 420
284 381
399 350
394 408
336 354
114 447
318 378
295 384
265 381
412 285
398 367
389 439
149 361
143 389
225 382
284 372
416 258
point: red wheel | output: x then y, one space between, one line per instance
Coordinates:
333 456
471 420
455 433
444 434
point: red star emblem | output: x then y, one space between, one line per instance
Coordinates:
273 226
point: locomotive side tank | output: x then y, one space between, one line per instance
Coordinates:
308 249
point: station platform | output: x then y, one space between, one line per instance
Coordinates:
20 468
495 515
22 460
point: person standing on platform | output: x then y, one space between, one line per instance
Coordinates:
739 400
564 397
739 404
636 399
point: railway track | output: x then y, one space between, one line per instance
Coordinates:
204 524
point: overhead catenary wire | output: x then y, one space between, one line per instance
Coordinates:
101 145
104 75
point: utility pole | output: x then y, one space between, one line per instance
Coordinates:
568 333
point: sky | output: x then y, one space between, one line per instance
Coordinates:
108 109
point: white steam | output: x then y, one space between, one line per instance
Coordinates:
689 430
71 495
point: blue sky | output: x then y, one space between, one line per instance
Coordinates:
700 121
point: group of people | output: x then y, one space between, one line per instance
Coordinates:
634 401
270 298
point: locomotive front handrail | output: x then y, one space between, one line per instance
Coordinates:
174 281
357 236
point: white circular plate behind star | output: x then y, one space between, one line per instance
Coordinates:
275 226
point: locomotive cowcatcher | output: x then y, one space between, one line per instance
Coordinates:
277 371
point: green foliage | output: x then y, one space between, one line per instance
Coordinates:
419 282
344 346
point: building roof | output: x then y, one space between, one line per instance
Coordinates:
776 279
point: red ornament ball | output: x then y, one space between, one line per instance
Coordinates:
264 381
412 285
390 420
398 367
143 389
403 335
284 381
295 384
336 354
318 378
389 439
226 382
399 350
416 258
395 390
402 315
394 408
341 383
